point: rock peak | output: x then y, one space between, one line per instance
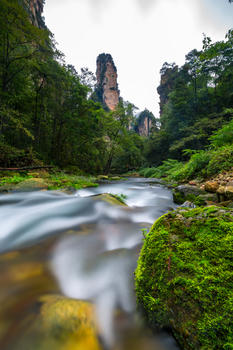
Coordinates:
35 10
107 91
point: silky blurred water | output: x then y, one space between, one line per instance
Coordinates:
97 264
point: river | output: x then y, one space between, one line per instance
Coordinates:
84 247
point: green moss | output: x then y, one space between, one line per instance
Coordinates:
15 179
120 197
178 197
184 278
56 181
61 180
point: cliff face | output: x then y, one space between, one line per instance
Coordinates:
145 123
107 91
35 9
144 126
168 74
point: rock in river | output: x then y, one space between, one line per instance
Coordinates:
184 278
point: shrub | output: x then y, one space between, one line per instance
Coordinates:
14 157
223 136
221 160
196 166
147 172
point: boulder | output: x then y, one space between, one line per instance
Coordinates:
229 192
62 324
115 178
102 177
208 197
184 193
225 193
185 284
188 204
211 186
33 184
109 198
189 189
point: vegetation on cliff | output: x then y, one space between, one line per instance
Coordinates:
218 157
46 114
184 277
196 114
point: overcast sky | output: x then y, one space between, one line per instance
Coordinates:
139 34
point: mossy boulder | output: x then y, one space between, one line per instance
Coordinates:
184 278
184 193
115 178
102 177
33 184
109 198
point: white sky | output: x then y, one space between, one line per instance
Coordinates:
139 34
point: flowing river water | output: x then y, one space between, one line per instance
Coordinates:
81 246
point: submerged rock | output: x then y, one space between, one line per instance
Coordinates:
61 323
109 198
184 278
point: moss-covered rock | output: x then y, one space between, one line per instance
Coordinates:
184 193
33 184
109 198
184 278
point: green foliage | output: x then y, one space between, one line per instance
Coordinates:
223 136
184 277
196 101
62 180
196 166
15 179
166 169
14 157
56 180
45 105
221 160
147 172
203 163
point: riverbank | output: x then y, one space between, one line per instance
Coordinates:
198 191
30 180
44 180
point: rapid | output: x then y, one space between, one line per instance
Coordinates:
83 246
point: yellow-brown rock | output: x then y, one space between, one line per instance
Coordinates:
107 88
61 324
35 9
211 186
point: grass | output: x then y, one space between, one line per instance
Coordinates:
61 180
55 181
13 180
